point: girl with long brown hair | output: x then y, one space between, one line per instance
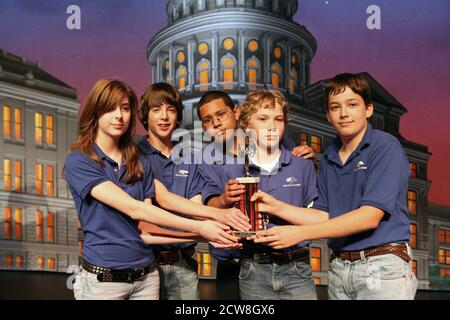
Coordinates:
112 186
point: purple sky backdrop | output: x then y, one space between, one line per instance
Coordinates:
409 56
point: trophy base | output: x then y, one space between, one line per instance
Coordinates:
244 234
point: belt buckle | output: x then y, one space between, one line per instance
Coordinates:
262 257
138 274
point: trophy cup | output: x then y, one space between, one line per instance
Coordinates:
248 207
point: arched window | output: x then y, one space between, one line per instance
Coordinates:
228 64
203 71
181 77
277 75
293 80
253 70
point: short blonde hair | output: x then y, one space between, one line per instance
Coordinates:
255 99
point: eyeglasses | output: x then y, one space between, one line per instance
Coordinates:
221 116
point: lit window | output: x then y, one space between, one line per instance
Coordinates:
203 48
442 272
38 127
7 174
316 143
39 178
180 57
414 267
50 227
8 223
181 77
303 139
49 129
442 256
252 71
447 236
317 281
203 69
6 122
253 45
316 254
18 123
51 263
293 80
17 175
40 263
294 59
442 235
50 181
8 261
413 230
447 256
18 223
204 264
277 52
228 44
412 202
413 169
276 75
39 226
167 64
19 262
228 72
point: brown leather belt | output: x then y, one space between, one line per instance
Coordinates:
280 257
400 250
118 275
173 256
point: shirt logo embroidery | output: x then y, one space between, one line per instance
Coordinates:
360 166
291 182
182 173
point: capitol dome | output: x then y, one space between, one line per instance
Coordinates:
233 46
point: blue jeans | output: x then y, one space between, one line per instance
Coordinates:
382 277
272 281
179 280
87 287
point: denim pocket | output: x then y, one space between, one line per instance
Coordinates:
386 267
302 269
246 267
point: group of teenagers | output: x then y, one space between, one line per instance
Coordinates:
142 210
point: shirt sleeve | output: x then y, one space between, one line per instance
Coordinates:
83 173
196 183
387 174
211 182
321 203
310 183
149 184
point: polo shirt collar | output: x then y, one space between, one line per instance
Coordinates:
332 153
103 156
146 147
285 157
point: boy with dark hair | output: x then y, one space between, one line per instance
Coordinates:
363 183
161 113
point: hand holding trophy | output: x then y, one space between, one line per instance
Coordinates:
248 207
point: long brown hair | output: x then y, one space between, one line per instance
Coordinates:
103 98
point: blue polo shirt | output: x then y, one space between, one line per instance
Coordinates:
179 178
111 238
376 174
294 182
